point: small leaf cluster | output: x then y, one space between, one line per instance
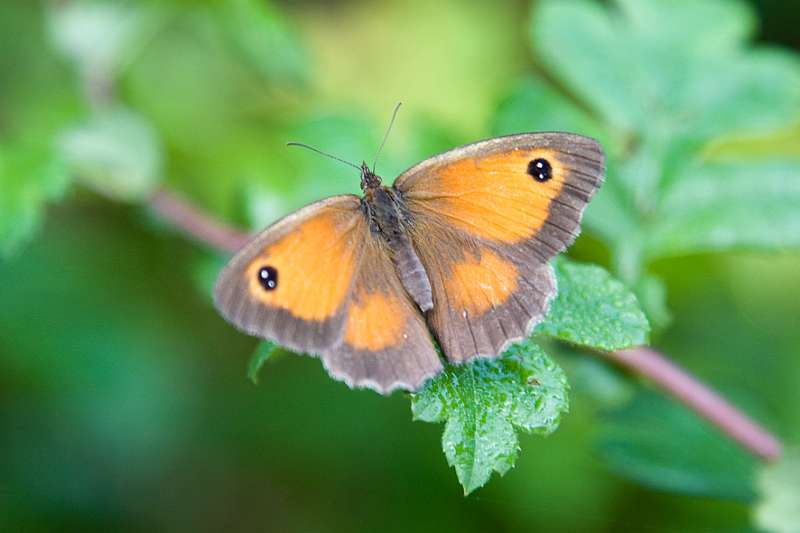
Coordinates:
482 403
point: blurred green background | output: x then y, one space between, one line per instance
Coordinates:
124 404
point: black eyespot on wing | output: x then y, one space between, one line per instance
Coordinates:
268 277
540 169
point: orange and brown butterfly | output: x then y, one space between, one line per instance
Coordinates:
457 251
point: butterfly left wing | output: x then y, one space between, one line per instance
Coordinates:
314 254
485 220
335 294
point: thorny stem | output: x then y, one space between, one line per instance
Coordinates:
641 361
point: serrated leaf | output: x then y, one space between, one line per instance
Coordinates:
778 508
263 353
483 404
593 309
116 152
29 178
660 443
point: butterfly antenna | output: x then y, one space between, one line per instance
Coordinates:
386 135
302 145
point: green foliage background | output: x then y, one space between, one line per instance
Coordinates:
124 402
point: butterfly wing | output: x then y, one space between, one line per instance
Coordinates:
385 344
485 220
315 253
336 294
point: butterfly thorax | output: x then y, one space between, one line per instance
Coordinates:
389 220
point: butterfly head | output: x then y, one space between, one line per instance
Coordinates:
369 180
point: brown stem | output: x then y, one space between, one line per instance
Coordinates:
197 224
699 398
641 361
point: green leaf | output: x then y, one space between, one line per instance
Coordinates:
704 26
593 309
533 106
752 93
483 402
116 152
652 295
263 353
749 203
580 42
265 38
205 269
348 135
660 443
77 27
778 508
29 178
666 81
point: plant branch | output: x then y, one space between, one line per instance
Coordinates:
197 224
699 398
641 361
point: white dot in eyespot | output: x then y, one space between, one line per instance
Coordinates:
268 278
464 313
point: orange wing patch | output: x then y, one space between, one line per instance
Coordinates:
481 283
494 197
375 321
315 266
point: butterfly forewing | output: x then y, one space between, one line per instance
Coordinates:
485 220
292 283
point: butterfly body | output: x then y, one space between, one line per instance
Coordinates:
456 250
391 221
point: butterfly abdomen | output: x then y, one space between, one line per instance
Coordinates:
387 218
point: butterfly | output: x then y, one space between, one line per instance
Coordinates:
455 252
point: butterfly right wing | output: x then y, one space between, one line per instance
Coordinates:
315 253
486 220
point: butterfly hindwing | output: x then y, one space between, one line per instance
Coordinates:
385 344
486 219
